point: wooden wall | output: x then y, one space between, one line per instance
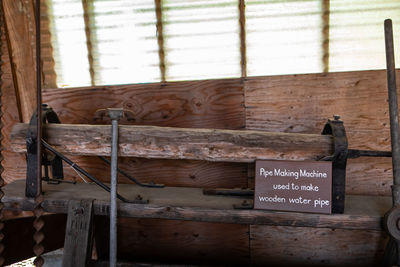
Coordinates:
291 103
303 103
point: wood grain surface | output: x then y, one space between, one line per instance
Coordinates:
14 163
177 203
187 173
341 239
179 143
177 241
20 24
193 104
300 246
302 103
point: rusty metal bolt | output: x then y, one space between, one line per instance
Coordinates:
78 211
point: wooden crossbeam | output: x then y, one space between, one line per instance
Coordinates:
180 203
180 143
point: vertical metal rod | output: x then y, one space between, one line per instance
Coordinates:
394 121
393 108
39 102
38 223
113 204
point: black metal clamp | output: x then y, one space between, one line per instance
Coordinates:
48 159
339 157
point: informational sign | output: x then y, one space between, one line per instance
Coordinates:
303 186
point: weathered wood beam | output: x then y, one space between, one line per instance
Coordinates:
180 143
20 28
189 204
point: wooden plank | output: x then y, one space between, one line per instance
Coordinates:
193 104
187 173
176 242
301 104
361 212
18 236
180 143
300 246
78 235
369 176
13 163
20 23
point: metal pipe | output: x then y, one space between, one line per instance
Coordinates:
79 169
38 102
393 108
113 195
38 223
356 153
133 179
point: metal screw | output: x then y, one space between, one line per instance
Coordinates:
78 211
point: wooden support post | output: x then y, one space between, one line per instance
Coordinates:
78 236
20 25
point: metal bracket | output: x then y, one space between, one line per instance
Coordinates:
391 223
48 159
114 114
239 192
335 128
245 205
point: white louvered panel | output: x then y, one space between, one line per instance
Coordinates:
283 37
201 39
69 43
357 35
125 48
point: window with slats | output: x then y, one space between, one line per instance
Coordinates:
283 37
201 39
69 43
97 42
357 36
124 41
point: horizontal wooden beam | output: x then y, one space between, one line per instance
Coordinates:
180 143
190 204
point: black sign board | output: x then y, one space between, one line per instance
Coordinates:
303 186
